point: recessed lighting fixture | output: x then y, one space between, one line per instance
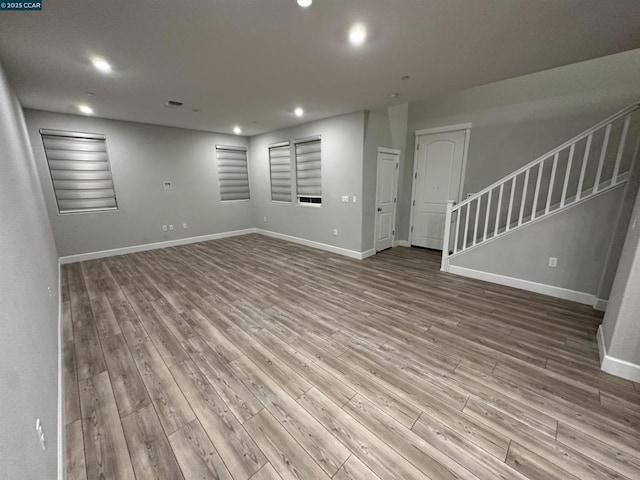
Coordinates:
91 94
406 77
357 34
299 112
101 65
393 95
305 3
86 109
237 130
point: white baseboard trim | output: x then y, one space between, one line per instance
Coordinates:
368 253
152 246
321 246
558 292
81 257
401 243
601 305
61 422
616 366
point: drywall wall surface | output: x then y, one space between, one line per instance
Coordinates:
517 120
578 237
28 312
621 324
142 157
342 152
383 128
620 232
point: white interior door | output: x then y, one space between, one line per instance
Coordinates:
437 175
386 193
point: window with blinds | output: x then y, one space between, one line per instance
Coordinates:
280 169
233 173
80 171
308 171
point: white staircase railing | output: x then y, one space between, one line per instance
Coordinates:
593 162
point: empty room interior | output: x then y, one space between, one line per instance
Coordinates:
320 239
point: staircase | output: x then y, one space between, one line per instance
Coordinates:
592 163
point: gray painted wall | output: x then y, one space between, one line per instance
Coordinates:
514 122
517 120
621 325
578 237
383 128
342 153
29 316
142 157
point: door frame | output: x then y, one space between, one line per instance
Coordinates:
430 131
390 151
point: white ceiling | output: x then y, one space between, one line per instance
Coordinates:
244 61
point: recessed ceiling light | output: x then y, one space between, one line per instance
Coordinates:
237 130
357 34
91 94
299 112
102 65
305 3
393 95
86 109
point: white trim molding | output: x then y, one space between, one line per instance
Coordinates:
401 243
616 366
368 253
215 236
601 304
321 246
151 246
390 151
447 128
61 419
553 291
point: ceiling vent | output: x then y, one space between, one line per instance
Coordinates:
173 104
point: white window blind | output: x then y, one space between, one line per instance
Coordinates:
233 174
280 168
308 171
80 171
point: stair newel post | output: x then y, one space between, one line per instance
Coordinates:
447 234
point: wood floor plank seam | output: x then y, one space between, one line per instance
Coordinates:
378 369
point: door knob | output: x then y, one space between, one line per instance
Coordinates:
379 209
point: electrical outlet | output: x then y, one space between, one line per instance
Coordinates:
355 199
171 227
345 199
335 232
167 185
553 262
184 225
164 228
265 219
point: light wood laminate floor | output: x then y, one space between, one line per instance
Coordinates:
254 358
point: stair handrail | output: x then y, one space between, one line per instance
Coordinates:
616 116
